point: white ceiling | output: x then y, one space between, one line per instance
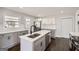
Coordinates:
46 11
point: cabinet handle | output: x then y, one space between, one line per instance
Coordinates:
8 37
41 44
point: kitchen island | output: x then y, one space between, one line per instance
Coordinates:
37 41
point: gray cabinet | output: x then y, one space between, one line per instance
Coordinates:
42 43
8 40
39 45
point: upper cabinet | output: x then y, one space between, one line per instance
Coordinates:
48 21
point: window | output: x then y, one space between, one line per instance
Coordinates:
11 21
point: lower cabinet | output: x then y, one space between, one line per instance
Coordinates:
8 40
39 45
42 43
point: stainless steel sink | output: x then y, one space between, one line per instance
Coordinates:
34 35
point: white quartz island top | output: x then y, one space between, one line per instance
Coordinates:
41 32
74 33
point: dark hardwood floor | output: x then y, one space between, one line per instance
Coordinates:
15 48
59 44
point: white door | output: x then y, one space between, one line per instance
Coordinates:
66 26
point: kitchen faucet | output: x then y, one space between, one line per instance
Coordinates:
31 29
34 29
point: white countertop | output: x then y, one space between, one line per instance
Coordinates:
42 33
74 33
5 31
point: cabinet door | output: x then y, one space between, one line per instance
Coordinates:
46 21
39 45
15 38
7 41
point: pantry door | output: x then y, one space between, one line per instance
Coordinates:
66 26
